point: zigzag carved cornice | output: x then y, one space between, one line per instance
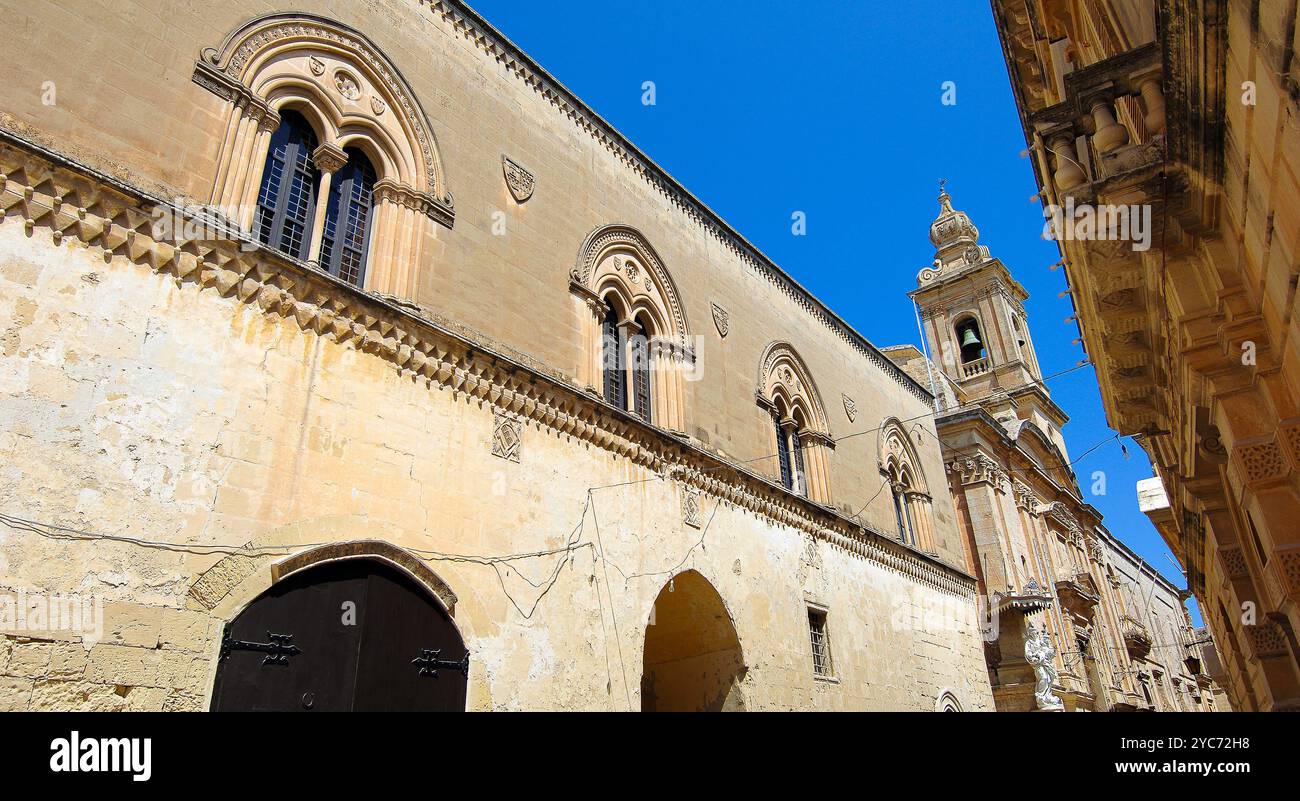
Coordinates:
50 191
466 22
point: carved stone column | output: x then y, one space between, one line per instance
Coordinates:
817 465
243 158
590 314
669 362
329 159
400 223
1153 98
923 526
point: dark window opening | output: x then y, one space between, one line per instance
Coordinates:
783 453
821 645
346 234
640 369
612 336
286 200
968 339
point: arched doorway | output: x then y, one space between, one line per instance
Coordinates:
693 661
349 635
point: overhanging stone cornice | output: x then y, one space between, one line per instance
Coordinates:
494 44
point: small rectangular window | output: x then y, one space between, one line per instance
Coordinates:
821 643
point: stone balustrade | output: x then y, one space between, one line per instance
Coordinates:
1088 137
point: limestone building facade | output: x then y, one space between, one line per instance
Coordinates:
342 347
1164 135
1119 634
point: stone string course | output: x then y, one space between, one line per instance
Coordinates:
42 189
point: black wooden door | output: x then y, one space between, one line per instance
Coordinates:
354 635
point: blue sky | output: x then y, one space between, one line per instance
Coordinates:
834 109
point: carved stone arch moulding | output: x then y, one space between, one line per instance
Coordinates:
947 702
355 98
898 452
599 260
370 549
782 371
900 465
234 581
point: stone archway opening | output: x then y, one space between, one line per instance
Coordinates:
692 661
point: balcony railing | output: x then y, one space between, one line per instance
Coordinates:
1136 638
972 369
1117 106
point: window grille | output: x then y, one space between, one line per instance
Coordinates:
641 376
821 645
783 453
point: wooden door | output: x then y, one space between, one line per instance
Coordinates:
355 635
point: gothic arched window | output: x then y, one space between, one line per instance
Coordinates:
900 481
901 468
626 346
346 237
633 326
801 442
790 446
305 98
286 201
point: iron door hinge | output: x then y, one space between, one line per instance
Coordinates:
428 663
277 651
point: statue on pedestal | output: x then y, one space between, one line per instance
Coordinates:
1040 654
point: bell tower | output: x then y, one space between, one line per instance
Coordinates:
973 314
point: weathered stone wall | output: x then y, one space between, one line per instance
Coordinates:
140 406
138 115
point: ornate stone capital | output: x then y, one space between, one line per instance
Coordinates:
329 157
388 190
980 469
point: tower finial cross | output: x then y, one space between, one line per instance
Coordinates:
942 181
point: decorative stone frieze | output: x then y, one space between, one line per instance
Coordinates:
981 469
1288 567
47 191
1262 462
1265 639
1234 562
1059 512
1025 497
